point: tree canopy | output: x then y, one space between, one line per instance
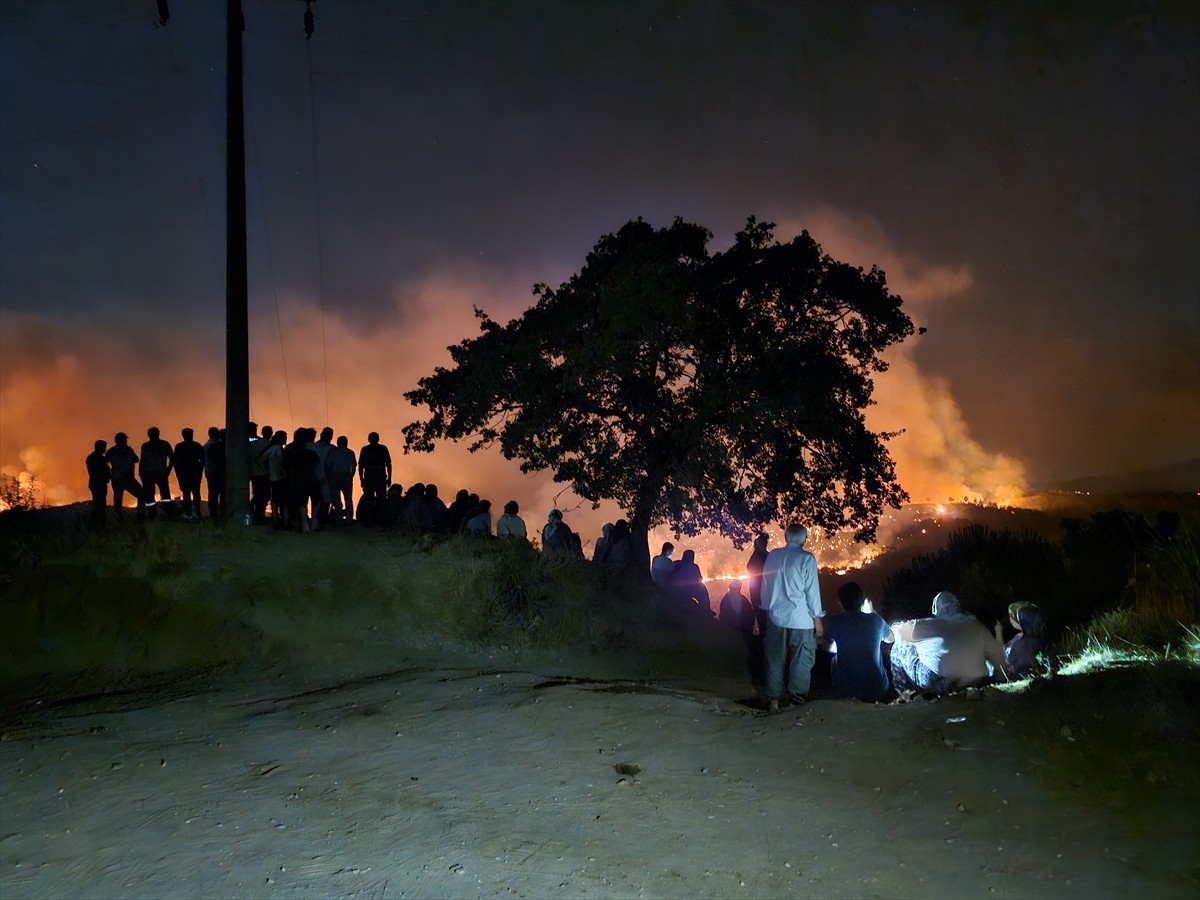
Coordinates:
706 391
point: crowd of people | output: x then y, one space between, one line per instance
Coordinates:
305 484
301 485
785 622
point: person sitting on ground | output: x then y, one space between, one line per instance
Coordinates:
559 542
855 638
603 544
686 583
662 565
510 524
735 609
480 524
458 512
948 651
620 547
1022 651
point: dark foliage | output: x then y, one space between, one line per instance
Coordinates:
706 391
987 569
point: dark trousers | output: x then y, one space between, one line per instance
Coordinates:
189 490
260 493
216 495
99 501
128 484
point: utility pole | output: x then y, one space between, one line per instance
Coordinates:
237 331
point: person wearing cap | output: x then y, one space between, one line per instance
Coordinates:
946 652
791 596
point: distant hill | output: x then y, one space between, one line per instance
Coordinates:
1180 477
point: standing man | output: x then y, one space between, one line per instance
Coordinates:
754 569
214 471
792 597
98 479
189 470
157 460
374 474
121 461
260 482
341 465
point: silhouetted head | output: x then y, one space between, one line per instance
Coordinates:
373 437
214 432
100 445
152 433
267 431
689 556
760 542
734 585
484 506
462 496
343 441
279 437
188 434
327 433
252 429
946 604
668 549
120 438
607 530
795 535
554 516
431 491
1027 617
511 508
851 596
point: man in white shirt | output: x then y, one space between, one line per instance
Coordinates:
791 596
951 650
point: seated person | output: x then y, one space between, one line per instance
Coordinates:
735 609
856 638
951 650
686 584
1021 652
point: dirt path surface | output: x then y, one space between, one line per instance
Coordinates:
465 783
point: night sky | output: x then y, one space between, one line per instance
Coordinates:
1026 174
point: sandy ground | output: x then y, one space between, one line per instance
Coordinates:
463 782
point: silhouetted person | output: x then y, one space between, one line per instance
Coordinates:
341 465
480 524
603 544
98 478
458 512
189 469
856 639
432 515
300 461
277 473
662 566
214 471
510 524
260 479
686 584
323 499
620 547
754 567
374 470
157 459
559 542
735 609
121 462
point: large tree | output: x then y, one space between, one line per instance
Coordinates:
705 391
